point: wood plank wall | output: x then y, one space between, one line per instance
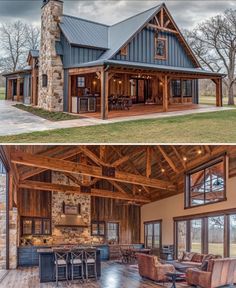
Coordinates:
128 217
32 203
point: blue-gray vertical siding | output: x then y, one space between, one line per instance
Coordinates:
195 90
73 55
66 87
142 46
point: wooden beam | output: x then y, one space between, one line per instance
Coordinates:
104 94
178 156
168 159
68 154
86 70
148 161
126 158
162 17
72 167
162 28
45 186
165 93
92 156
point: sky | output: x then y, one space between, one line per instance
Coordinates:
186 13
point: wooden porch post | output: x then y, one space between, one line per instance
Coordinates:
165 93
104 94
18 89
219 93
34 85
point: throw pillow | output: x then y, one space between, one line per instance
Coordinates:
204 265
187 256
197 257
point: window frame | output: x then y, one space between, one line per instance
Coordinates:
159 57
204 216
44 81
33 219
118 230
160 236
204 166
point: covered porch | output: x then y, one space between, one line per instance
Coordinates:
114 90
18 86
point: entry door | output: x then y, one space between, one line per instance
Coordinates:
141 91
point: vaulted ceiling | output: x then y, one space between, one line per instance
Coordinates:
139 174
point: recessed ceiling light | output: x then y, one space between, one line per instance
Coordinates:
199 151
185 158
162 170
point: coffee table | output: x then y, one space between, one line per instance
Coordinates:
175 276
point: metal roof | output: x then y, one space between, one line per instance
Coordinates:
120 33
34 53
198 71
83 32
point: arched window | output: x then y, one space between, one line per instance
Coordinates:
45 80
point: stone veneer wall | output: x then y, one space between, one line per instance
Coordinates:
51 97
13 225
68 235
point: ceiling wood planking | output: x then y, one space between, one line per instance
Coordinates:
168 159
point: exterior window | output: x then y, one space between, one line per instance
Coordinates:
45 80
181 237
160 48
232 231
216 235
113 232
187 88
152 235
206 184
176 88
81 82
124 51
196 235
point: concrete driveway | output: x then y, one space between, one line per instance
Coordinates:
15 121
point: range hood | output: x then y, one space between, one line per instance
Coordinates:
71 221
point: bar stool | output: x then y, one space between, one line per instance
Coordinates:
77 261
90 257
61 263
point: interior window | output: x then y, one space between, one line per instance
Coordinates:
113 232
206 184
153 234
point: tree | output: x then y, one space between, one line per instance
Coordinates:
214 43
15 41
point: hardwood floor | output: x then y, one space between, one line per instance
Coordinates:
114 275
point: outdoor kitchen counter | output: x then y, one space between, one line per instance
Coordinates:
47 266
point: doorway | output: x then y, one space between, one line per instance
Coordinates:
143 90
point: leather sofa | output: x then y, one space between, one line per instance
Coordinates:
192 260
219 272
151 268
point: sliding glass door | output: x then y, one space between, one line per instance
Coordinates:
181 237
196 235
216 235
152 234
232 238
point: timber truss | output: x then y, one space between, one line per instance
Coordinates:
138 174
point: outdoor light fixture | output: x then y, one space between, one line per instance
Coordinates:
120 82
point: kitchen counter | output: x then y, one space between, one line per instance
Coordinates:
47 265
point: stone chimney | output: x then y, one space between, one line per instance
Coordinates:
51 74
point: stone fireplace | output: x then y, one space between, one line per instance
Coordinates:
51 73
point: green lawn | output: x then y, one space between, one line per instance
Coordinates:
52 116
211 100
2 93
213 127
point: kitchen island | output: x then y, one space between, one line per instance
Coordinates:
47 266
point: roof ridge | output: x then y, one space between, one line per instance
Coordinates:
140 13
87 20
